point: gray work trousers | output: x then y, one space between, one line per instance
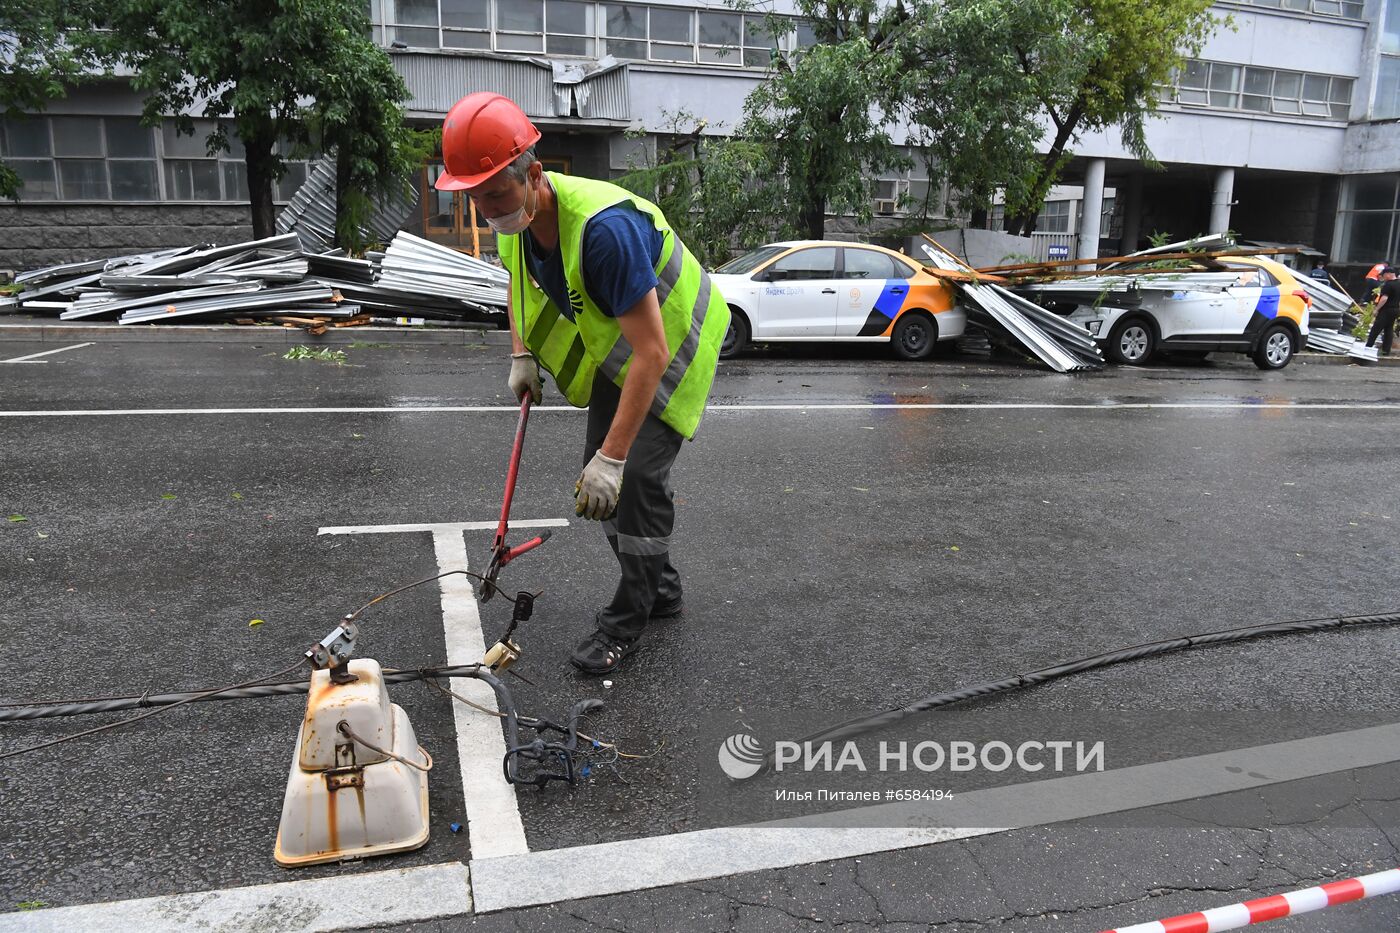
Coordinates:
640 530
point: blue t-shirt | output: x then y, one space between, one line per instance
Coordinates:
621 247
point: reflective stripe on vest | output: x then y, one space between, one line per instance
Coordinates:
693 313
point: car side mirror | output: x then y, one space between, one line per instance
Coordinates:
764 276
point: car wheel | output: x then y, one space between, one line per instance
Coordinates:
1275 348
736 337
914 336
1131 341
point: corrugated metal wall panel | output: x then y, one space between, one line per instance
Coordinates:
605 96
439 81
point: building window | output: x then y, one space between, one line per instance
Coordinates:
82 158
672 34
1388 85
131 159
573 27
466 24
1347 9
416 23
719 37
520 26
1368 219
26 148
627 31
569 27
1053 218
1261 90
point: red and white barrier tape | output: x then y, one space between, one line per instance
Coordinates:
1277 905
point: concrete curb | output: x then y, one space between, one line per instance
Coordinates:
52 331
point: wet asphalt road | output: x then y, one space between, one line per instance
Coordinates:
836 560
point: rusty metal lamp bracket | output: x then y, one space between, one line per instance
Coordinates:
333 652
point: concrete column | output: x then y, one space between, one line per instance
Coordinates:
1132 212
1092 211
1221 199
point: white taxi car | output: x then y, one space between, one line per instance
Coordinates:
823 290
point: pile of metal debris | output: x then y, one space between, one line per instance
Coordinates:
1062 345
311 212
1333 313
1199 265
277 280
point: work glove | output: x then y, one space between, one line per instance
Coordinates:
598 487
525 377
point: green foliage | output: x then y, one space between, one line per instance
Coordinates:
1103 69
703 184
45 46
1367 313
1159 238
822 132
963 86
970 78
322 354
252 67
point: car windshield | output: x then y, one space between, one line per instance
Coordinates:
750 260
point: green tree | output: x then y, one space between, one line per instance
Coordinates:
821 133
357 115
704 185
1126 51
250 65
45 46
944 69
963 93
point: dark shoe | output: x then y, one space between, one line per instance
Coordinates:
670 610
600 653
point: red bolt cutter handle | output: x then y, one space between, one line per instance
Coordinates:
500 554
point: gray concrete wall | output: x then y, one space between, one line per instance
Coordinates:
1289 40
46 234
1372 147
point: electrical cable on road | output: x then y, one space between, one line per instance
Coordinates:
204 695
850 728
154 704
864 724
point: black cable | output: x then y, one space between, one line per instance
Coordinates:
524 603
149 713
22 713
864 724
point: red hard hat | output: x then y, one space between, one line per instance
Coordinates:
483 133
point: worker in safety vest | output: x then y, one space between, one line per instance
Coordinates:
1373 281
603 296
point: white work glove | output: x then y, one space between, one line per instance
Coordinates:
598 487
525 377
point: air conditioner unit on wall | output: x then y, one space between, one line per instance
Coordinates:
885 206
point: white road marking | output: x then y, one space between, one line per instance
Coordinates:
362 899
438 527
795 406
494 825
34 357
559 875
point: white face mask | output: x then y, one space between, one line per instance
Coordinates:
515 222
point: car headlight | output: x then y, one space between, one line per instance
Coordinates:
1094 326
